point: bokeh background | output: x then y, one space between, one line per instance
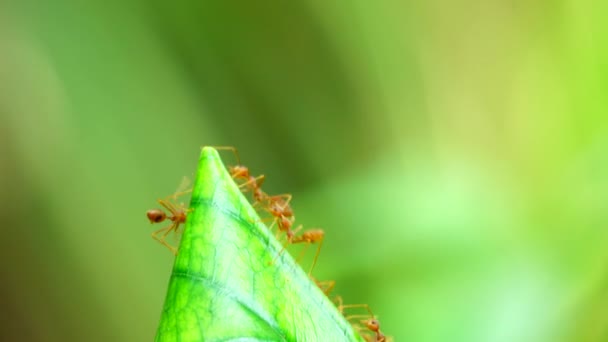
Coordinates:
456 153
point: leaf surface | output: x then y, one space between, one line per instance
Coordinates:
224 286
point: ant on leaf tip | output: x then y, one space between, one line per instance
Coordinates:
278 206
241 172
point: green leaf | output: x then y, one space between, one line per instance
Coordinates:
224 286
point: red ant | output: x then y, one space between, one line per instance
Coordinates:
278 206
239 171
177 217
371 323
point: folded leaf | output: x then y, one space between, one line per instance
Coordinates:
224 285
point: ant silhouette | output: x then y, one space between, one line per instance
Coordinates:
371 323
177 217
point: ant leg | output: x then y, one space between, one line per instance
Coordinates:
366 336
302 252
352 306
349 317
287 242
256 203
178 194
260 180
365 333
184 184
293 233
265 220
173 227
167 201
314 262
179 191
255 180
169 206
274 221
258 195
286 197
339 303
161 239
172 207
326 286
308 243
281 252
230 148
358 316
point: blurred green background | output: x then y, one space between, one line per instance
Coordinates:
456 153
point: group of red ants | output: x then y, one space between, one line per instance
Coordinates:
278 206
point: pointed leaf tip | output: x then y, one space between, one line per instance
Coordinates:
224 284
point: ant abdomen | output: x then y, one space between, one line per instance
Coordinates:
156 215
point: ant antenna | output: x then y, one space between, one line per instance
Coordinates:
230 148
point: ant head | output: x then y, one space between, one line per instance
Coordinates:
372 324
156 215
238 170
